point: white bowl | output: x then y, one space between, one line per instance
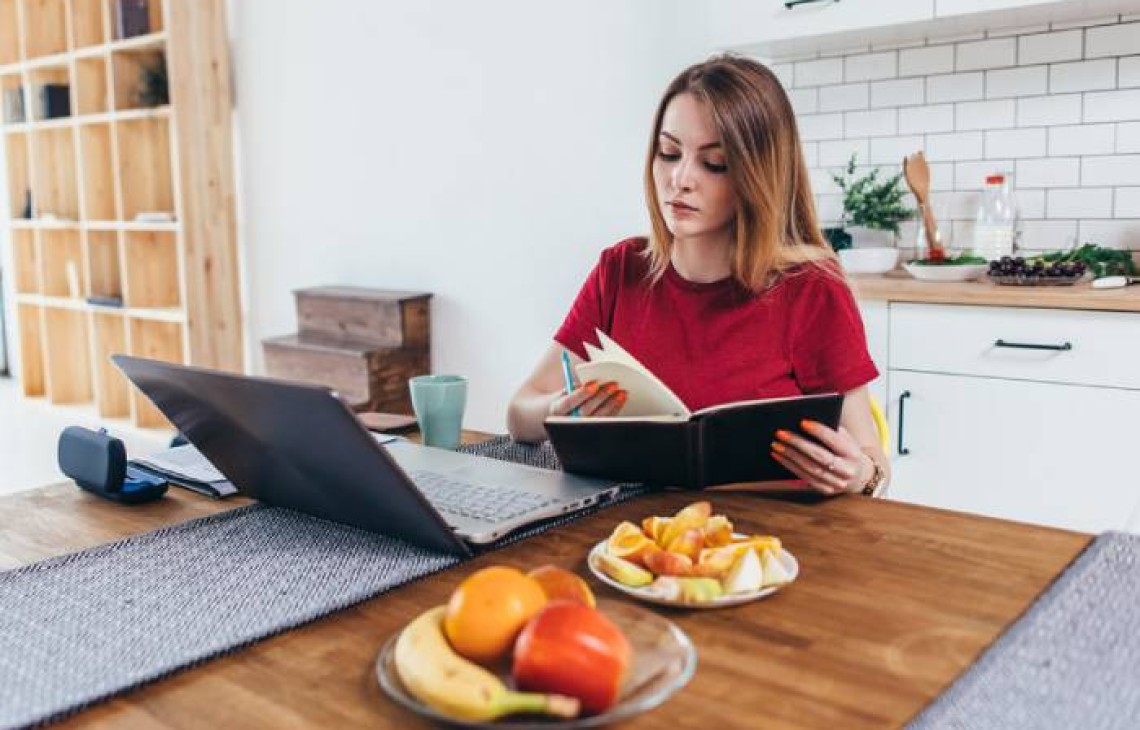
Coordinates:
946 272
877 260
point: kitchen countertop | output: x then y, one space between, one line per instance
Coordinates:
898 286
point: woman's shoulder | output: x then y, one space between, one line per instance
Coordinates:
625 255
811 276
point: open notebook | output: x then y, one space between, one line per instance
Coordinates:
657 439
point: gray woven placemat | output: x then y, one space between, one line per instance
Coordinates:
1071 661
81 628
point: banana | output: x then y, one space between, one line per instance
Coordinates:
437 676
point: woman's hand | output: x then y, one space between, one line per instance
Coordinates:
832 463
591 399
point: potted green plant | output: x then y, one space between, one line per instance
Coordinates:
872 208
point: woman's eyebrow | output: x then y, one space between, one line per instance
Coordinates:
709 146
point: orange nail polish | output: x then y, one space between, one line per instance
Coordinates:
621 396
807 425
778 447
592 387
783 435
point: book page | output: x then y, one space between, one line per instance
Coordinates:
740 403
648 396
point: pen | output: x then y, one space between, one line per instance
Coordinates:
569 373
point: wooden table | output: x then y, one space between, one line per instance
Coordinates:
893 602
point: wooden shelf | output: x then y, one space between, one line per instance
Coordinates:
94 171
88 23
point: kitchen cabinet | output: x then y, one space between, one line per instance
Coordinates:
875 323
1032 452
1016 413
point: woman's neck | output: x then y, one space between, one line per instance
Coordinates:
701 260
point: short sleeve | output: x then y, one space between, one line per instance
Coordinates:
828 345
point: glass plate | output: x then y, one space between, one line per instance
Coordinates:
664 660
734 599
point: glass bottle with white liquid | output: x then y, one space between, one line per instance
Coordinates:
996 224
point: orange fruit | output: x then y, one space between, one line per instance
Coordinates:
488 610
560 584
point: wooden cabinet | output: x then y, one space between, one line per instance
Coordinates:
129 241
1038 432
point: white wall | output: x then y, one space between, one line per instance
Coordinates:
485 152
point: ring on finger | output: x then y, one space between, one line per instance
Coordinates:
831 464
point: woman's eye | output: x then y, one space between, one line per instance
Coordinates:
669 155
717 167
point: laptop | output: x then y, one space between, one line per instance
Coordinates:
299 446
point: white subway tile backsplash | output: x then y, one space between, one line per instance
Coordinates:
984 114
926 61
820 72
955 146
1085 22
1112 40
941 176
820 126
896 45
1129 74
1030 203
897 92
892 150
992 53
848 51
1112 106
1047 235
937 118
1127 203
1082 76
1005 82
1111 170
1050 172
1058 109
955 87
822 183
804 101
1124 234
1128 137
1082 139
842 98
1049 47
1079 203
877 123
836 154
972 175
811 153
785 72
871 66
829 208
1015 142
1039 111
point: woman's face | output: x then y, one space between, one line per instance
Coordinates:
690 172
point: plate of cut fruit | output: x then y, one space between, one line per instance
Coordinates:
694 559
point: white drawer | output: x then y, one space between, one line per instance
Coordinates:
1047 345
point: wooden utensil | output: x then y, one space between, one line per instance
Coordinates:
917 174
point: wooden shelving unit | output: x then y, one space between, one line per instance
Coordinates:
101 180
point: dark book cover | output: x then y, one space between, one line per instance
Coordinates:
719 445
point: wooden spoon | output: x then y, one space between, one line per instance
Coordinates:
917 174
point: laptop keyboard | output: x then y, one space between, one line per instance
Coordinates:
467 499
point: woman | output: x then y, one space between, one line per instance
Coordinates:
735 295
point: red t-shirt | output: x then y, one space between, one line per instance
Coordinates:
717 343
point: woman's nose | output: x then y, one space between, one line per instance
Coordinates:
683 175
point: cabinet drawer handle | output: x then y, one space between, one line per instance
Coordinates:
1063 347
902 416
789 4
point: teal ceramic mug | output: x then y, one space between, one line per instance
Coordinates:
438 401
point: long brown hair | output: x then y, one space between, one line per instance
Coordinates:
775 227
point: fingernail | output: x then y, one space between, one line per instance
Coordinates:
609 388
778 447
621 396
808 426
783 435
592 387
